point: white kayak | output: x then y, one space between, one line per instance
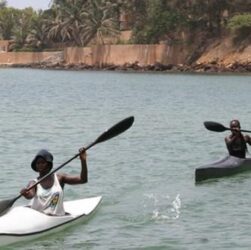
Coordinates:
23 223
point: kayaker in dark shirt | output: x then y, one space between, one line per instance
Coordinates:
236 142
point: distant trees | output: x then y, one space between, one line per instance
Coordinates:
67 22
78 22
8 22
156 21
23 27
166 18
100 21
37 36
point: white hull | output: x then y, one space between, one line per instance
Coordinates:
23 223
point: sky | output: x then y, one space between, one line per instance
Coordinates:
35 4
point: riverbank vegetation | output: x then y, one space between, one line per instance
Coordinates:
84 22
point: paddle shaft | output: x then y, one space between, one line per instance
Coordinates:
117 129
241 130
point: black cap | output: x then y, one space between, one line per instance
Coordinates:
46 155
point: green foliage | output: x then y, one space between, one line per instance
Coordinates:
99 22
165 23
160 21
8 22
79 22
37 37
241 26
23 27
240 21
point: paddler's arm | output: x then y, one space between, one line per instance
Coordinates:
29 194
78 179
230 139
236 133
247 139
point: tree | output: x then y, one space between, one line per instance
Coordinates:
68 21
22 27
157 20
8 20
38 35
207 15
99 22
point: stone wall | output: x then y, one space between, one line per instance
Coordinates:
100 55
125 54
74 55
220 53
23 58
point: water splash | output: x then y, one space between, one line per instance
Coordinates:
176 206
163 207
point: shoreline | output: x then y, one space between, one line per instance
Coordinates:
212 67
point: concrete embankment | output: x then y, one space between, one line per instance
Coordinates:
218 57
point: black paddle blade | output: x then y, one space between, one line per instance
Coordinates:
115 130
215 126
5 205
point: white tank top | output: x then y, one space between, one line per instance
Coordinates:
49 201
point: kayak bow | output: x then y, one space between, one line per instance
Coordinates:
23 223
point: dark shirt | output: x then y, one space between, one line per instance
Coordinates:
237 147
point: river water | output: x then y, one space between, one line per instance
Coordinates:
145 175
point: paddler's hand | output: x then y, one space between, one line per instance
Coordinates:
236 130
28 194
82 154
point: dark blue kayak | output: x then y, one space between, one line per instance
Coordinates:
227 166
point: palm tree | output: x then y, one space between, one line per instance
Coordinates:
38 35
68 22
99 21
80 21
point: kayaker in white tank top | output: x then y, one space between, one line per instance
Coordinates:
49 201
47 196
